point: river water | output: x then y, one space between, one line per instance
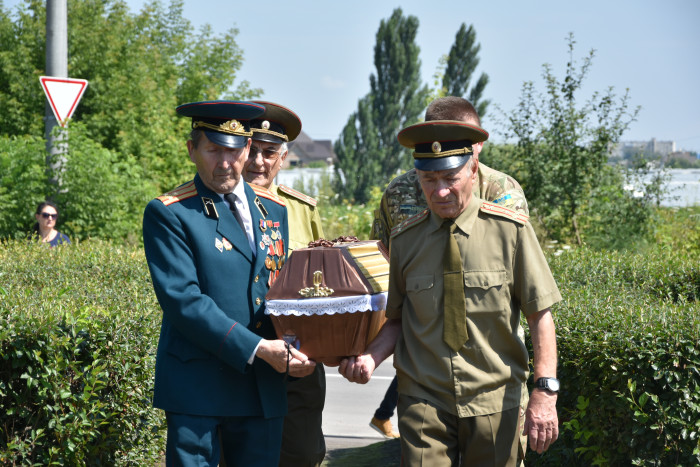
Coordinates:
683 186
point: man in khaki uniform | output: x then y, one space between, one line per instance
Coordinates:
460 362
302 439
404 197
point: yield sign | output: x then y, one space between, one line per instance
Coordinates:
63 95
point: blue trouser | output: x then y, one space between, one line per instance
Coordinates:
246 441
388 405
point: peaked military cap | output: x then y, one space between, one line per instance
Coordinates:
277 125
225 123
441 144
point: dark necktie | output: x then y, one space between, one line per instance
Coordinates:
231 198
455 305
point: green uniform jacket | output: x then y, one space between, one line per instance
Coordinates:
211 289
304 219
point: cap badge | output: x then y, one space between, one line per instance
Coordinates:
231 125
437 148
265 125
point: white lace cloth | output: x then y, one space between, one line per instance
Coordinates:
326 305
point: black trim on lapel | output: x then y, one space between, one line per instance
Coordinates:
260 206
210 208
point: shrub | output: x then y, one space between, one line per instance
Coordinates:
628 335
78 330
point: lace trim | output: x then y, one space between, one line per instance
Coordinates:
326 305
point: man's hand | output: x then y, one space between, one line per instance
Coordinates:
357 369
541 422
281 357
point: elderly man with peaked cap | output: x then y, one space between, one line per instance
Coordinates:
303 444
461 272
220 371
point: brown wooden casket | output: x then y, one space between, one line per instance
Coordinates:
330 300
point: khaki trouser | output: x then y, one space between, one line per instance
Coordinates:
434 437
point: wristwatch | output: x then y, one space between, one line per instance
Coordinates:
550 384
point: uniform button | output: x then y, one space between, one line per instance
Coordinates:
257 278
258 301
258 324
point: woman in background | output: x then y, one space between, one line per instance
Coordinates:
44 229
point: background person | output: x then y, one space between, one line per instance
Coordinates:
45 227
220 371
302 439
460 274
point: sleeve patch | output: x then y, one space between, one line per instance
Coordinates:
298 195
498 210
188 190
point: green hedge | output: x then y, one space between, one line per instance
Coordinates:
78 330
79 325
628 335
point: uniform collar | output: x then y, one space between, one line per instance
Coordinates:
465 221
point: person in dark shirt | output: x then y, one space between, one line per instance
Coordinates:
45 227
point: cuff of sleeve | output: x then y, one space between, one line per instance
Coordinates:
255 350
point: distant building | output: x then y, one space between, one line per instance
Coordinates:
627 149
304 150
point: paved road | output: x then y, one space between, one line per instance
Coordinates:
350 407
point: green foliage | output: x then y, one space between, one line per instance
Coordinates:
23 183
563 147
368 151
678 230
78 331
340 217
460 66
101 195
140 66
628 335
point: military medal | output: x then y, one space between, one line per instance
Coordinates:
219 245
263 225
227 244
274 234
269 263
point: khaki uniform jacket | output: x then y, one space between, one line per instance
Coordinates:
505 272
304 218
404 198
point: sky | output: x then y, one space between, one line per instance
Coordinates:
315 57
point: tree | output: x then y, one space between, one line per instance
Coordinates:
564 148
368 151
460 66
125 132
139 66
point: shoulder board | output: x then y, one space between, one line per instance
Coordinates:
498 210
188 190
298 195
267 194
410 222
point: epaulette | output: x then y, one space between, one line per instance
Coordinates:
267 194
410 222
503 211
188 190
298 195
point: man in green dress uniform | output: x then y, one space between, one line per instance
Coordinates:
302 439
461 272
220 371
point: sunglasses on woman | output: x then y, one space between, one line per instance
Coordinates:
46 215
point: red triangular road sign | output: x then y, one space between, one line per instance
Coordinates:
63 95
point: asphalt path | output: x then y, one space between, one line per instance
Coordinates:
350 407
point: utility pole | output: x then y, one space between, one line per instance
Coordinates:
56 65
